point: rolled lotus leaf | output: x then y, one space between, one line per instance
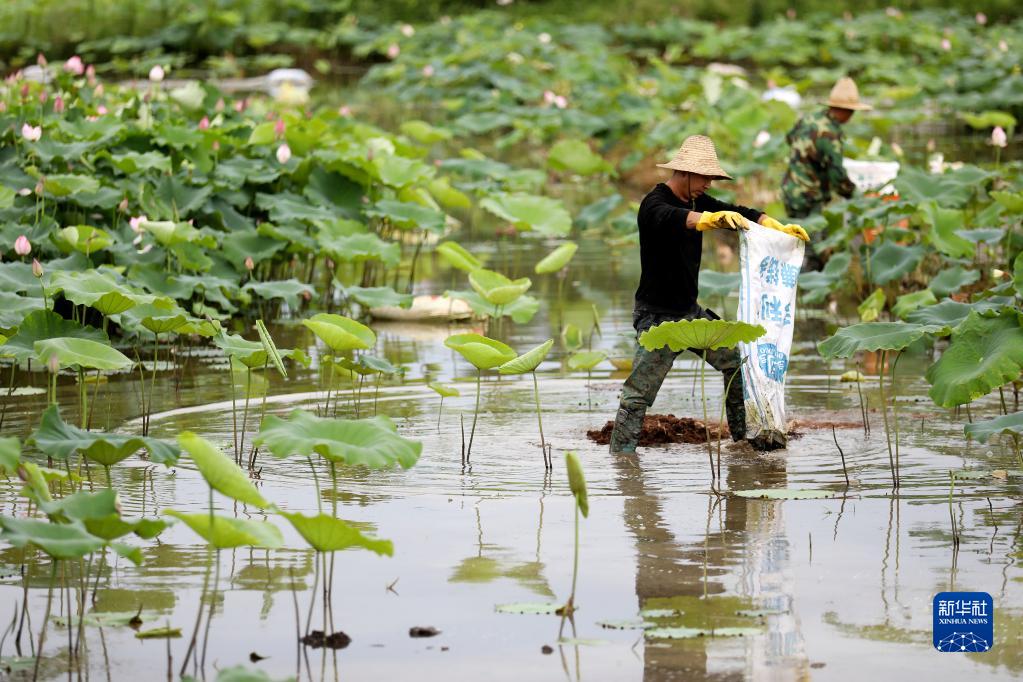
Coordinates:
557 259
577 482
483 352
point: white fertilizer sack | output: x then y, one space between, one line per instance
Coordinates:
769 263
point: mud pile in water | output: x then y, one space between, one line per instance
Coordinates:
661 429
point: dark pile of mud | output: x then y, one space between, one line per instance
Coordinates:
664 429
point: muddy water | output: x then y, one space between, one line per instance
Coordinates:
845 585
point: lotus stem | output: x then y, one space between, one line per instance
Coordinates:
245 412
845 471
152 380
234 415
539 420
951 513
863 406
439 411
316 482
706 428
884 413
330 382
895 414
475 414
46 620
83 398
721 422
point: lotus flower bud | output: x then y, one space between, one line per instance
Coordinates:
283 153
544 38
43 96
37 268
998 137
393 51
204 123
22 246
249 263
428 71
123 206
31 133
53 364
58 105
156 74
279 128
90 74
407 30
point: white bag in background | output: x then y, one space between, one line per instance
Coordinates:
769 263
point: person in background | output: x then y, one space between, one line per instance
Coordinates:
815 169
672 219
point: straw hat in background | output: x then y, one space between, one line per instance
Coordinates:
698 155
845 95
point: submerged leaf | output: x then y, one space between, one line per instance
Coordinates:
1008 424
529 608
785 494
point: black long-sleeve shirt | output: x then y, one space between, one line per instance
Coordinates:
670 252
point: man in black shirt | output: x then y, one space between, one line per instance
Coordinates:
672 219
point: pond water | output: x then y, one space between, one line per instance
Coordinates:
831 589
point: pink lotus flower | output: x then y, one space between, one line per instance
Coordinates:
31 133
156 74
560 101
428 71
981 18
998 137
946 44
136 223
283 153
345 111
90 74
1003 46
407 30
393 51
548 96
58 105
279 128
43 96
101 110
75 66
216 145
22 246
204 123
241 105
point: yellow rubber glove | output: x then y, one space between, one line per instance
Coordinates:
725 220
791 230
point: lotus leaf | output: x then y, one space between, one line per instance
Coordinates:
527 362
1013 202
82 238
225 532
357 248
871 306
718 283
556 259
892 261
989 235
951 280
67 184
529 212
497 289
692 633
378 297
372 443
577 482
586 360
481 351
521 310
945 225
98 289
251 354
785 494
572 337
40 325
10 455
408 216
325 533
85 353
441 390
59 440
598 212
341 333
398 171
424 133
220 471
59 540
447 195
917 186
529 608
699 334
907 303
576 156
1008 424
872 336
288 290
83 505
455 254
986 352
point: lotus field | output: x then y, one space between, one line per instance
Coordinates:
312 377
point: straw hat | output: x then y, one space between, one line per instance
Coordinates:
845 95
697 155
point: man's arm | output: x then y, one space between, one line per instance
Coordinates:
829 154
709 203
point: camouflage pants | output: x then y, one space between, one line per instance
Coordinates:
649 369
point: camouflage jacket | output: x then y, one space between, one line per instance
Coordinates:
815 165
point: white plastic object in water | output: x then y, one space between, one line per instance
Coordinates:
788 94
426 309
872 175
769 263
